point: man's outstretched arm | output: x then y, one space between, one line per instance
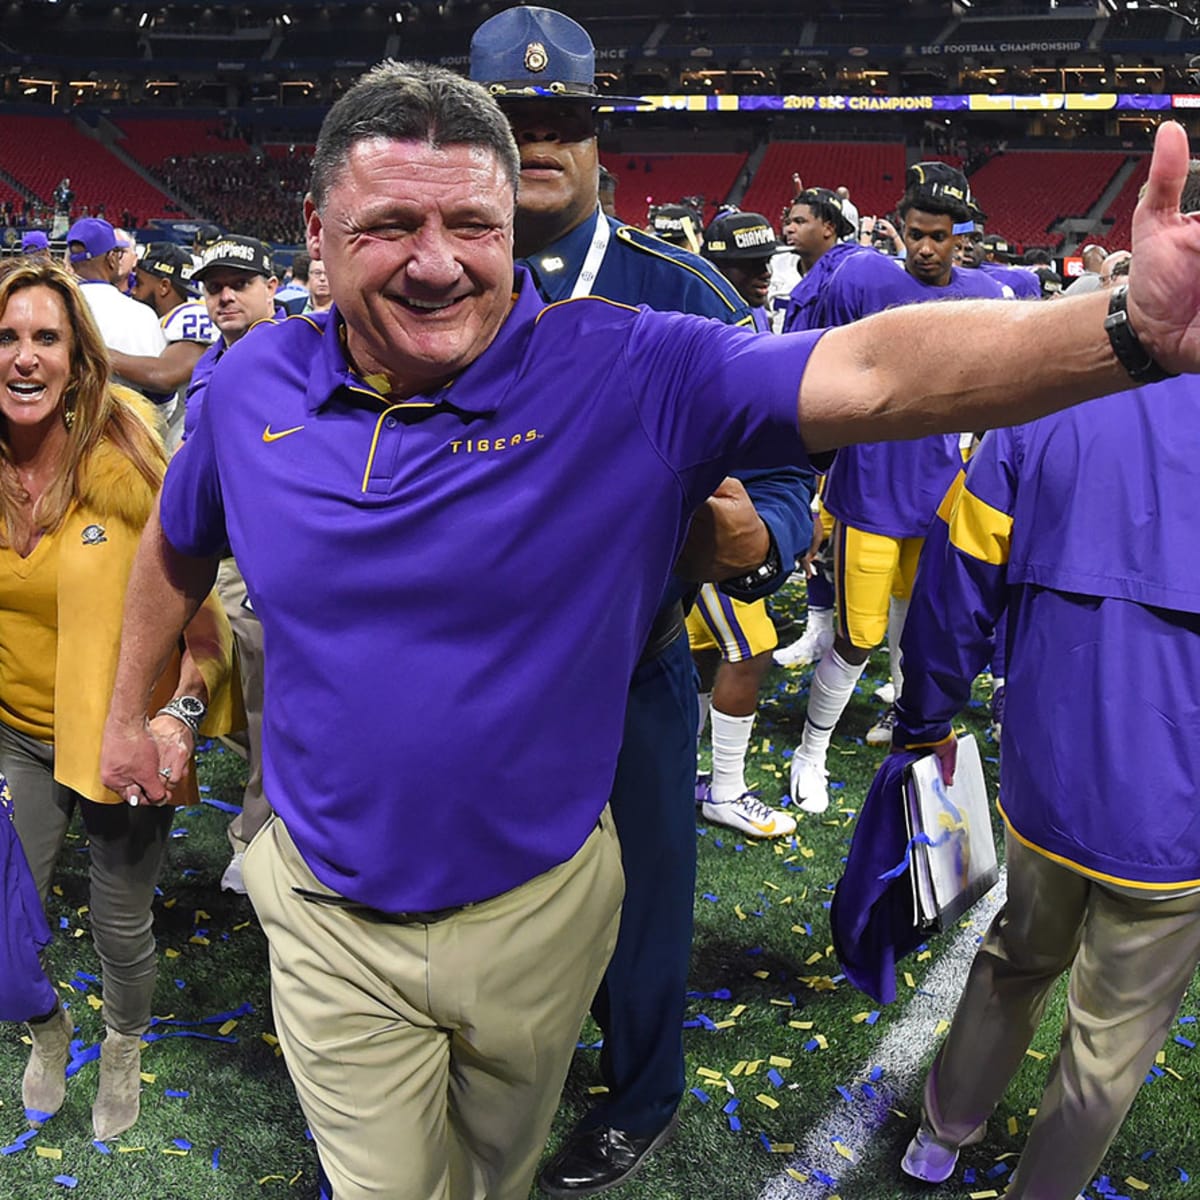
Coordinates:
890 376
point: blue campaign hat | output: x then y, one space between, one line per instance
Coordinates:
531 53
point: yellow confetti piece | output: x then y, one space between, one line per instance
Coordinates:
773 886
1137 1184
780 1003
148 1076
819 1038
176 1153
724 1024
737 1010
737 1069
270 1039
786 900
925 954
243 925
912 983
199 941
859 1018
131 1149
807 851
78 933
703 1072
752 1067
791 858
226 1029
844 1150
796 1175
1035 1054
1160 1058
201 915
941 1028
1031 1112
57 890
800 930
48 1152
991 1192
762 974
815 957
783 1147
902 1115
95 1003
1013 1126
737 908
295 1178
777 1060
83 911
1173 1073
764 1100
800 1024
171 952
283 1178
174 900
598 1089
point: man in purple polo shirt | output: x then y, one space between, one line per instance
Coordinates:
430 490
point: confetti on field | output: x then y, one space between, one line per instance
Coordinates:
48 1152
1037 1054
767 1101
67 1181
1137 1184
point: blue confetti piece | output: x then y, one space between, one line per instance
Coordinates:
99 1145
872 1017
735 1125
706 1021
811 1044
968 1175
242 1010
710 896
754 951
216 1158
731 1107
63 923
1147 1155
686 1025
1185 1041
827 1180
845 1093
1184 1177
766 1141
869 1092
180 984
176 1094
189 1033
15 1148
775 1078
718 843
182 1144
1187 1020
700 1095
179 833
85 975
26 1137
739 847
36 1114
996 1171
220 805
67 1181
876 1074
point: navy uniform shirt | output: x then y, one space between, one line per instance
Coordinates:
639 268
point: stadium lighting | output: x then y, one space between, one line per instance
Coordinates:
143 19
286 19
399 17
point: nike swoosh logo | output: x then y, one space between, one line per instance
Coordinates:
270 435
764 826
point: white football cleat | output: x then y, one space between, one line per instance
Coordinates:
809 786
749 815
810 647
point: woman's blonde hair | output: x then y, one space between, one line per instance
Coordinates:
91 409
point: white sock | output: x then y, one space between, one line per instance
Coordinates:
820 620
705 707
897 615
730 741
832 686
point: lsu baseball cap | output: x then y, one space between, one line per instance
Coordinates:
165 260
739 235
530 53
676 223
940 183
235 253
96 236
35 239
821 199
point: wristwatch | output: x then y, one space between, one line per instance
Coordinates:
1126 345
746 587
191 710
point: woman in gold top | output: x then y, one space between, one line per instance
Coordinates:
80 465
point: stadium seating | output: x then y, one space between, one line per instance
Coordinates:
1024 192
39 151
1120 211
151 141
873 171
646 179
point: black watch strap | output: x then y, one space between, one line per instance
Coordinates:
749 586
1130 352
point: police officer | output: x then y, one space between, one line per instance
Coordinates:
540 66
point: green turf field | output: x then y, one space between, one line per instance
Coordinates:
219 1119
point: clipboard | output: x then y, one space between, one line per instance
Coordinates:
953 863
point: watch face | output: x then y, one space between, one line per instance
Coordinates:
191 706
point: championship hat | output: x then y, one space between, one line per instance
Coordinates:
739 235
165 260
235 253
940 184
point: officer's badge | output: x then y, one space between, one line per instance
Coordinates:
552 263
536 58
93 535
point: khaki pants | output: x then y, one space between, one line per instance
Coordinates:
1130 961
248 634
429 1059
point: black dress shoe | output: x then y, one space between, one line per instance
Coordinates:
593 1160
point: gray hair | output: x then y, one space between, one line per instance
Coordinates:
411 102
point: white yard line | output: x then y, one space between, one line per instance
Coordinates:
900 1053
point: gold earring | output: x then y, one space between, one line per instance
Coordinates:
69 418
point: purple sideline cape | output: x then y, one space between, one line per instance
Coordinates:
24 989
871 916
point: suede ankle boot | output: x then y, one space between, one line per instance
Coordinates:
44 1085
118 1100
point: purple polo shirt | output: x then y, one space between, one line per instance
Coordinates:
447 661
